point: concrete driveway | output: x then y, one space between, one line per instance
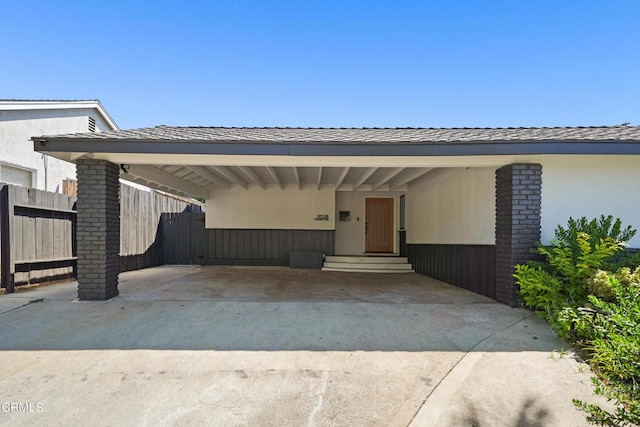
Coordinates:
186 345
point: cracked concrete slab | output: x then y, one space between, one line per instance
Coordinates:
489 386
7 304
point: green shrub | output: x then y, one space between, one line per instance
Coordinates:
627 277
596 310
597 229
539 289
561 280
611 344
601 284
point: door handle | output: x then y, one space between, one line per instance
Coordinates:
366 227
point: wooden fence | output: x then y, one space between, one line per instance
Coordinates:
183 238
143 229
38 240
37 236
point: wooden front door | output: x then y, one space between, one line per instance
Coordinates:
379 225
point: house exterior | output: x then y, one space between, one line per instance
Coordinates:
22 119
465 205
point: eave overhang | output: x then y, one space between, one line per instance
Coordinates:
493 148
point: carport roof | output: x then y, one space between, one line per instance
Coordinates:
196 160
619 133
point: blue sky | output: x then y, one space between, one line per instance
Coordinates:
330 63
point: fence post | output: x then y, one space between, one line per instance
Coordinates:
74 238
6 259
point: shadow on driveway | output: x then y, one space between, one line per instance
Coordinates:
273 346
270 309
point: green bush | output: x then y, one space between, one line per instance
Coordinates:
573 286
628 278
597 229
601 284
561 279
611 344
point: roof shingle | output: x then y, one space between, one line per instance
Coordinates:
618 133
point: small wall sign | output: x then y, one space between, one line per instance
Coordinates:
345 215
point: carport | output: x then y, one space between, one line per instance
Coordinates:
466 203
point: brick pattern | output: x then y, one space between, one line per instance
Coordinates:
98 229
518 198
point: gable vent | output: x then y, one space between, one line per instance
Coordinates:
92 124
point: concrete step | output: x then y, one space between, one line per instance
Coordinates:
367 259
354 270
367 266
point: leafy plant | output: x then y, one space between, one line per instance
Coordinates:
597 229
573 286
601 284
539 289
626 412
575 263
612 347
561 280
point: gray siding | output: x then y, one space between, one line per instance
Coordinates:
263 247
469 267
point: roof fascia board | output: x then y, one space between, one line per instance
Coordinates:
308 149
107 117
59 105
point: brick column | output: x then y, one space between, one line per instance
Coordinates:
98 229
518 197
